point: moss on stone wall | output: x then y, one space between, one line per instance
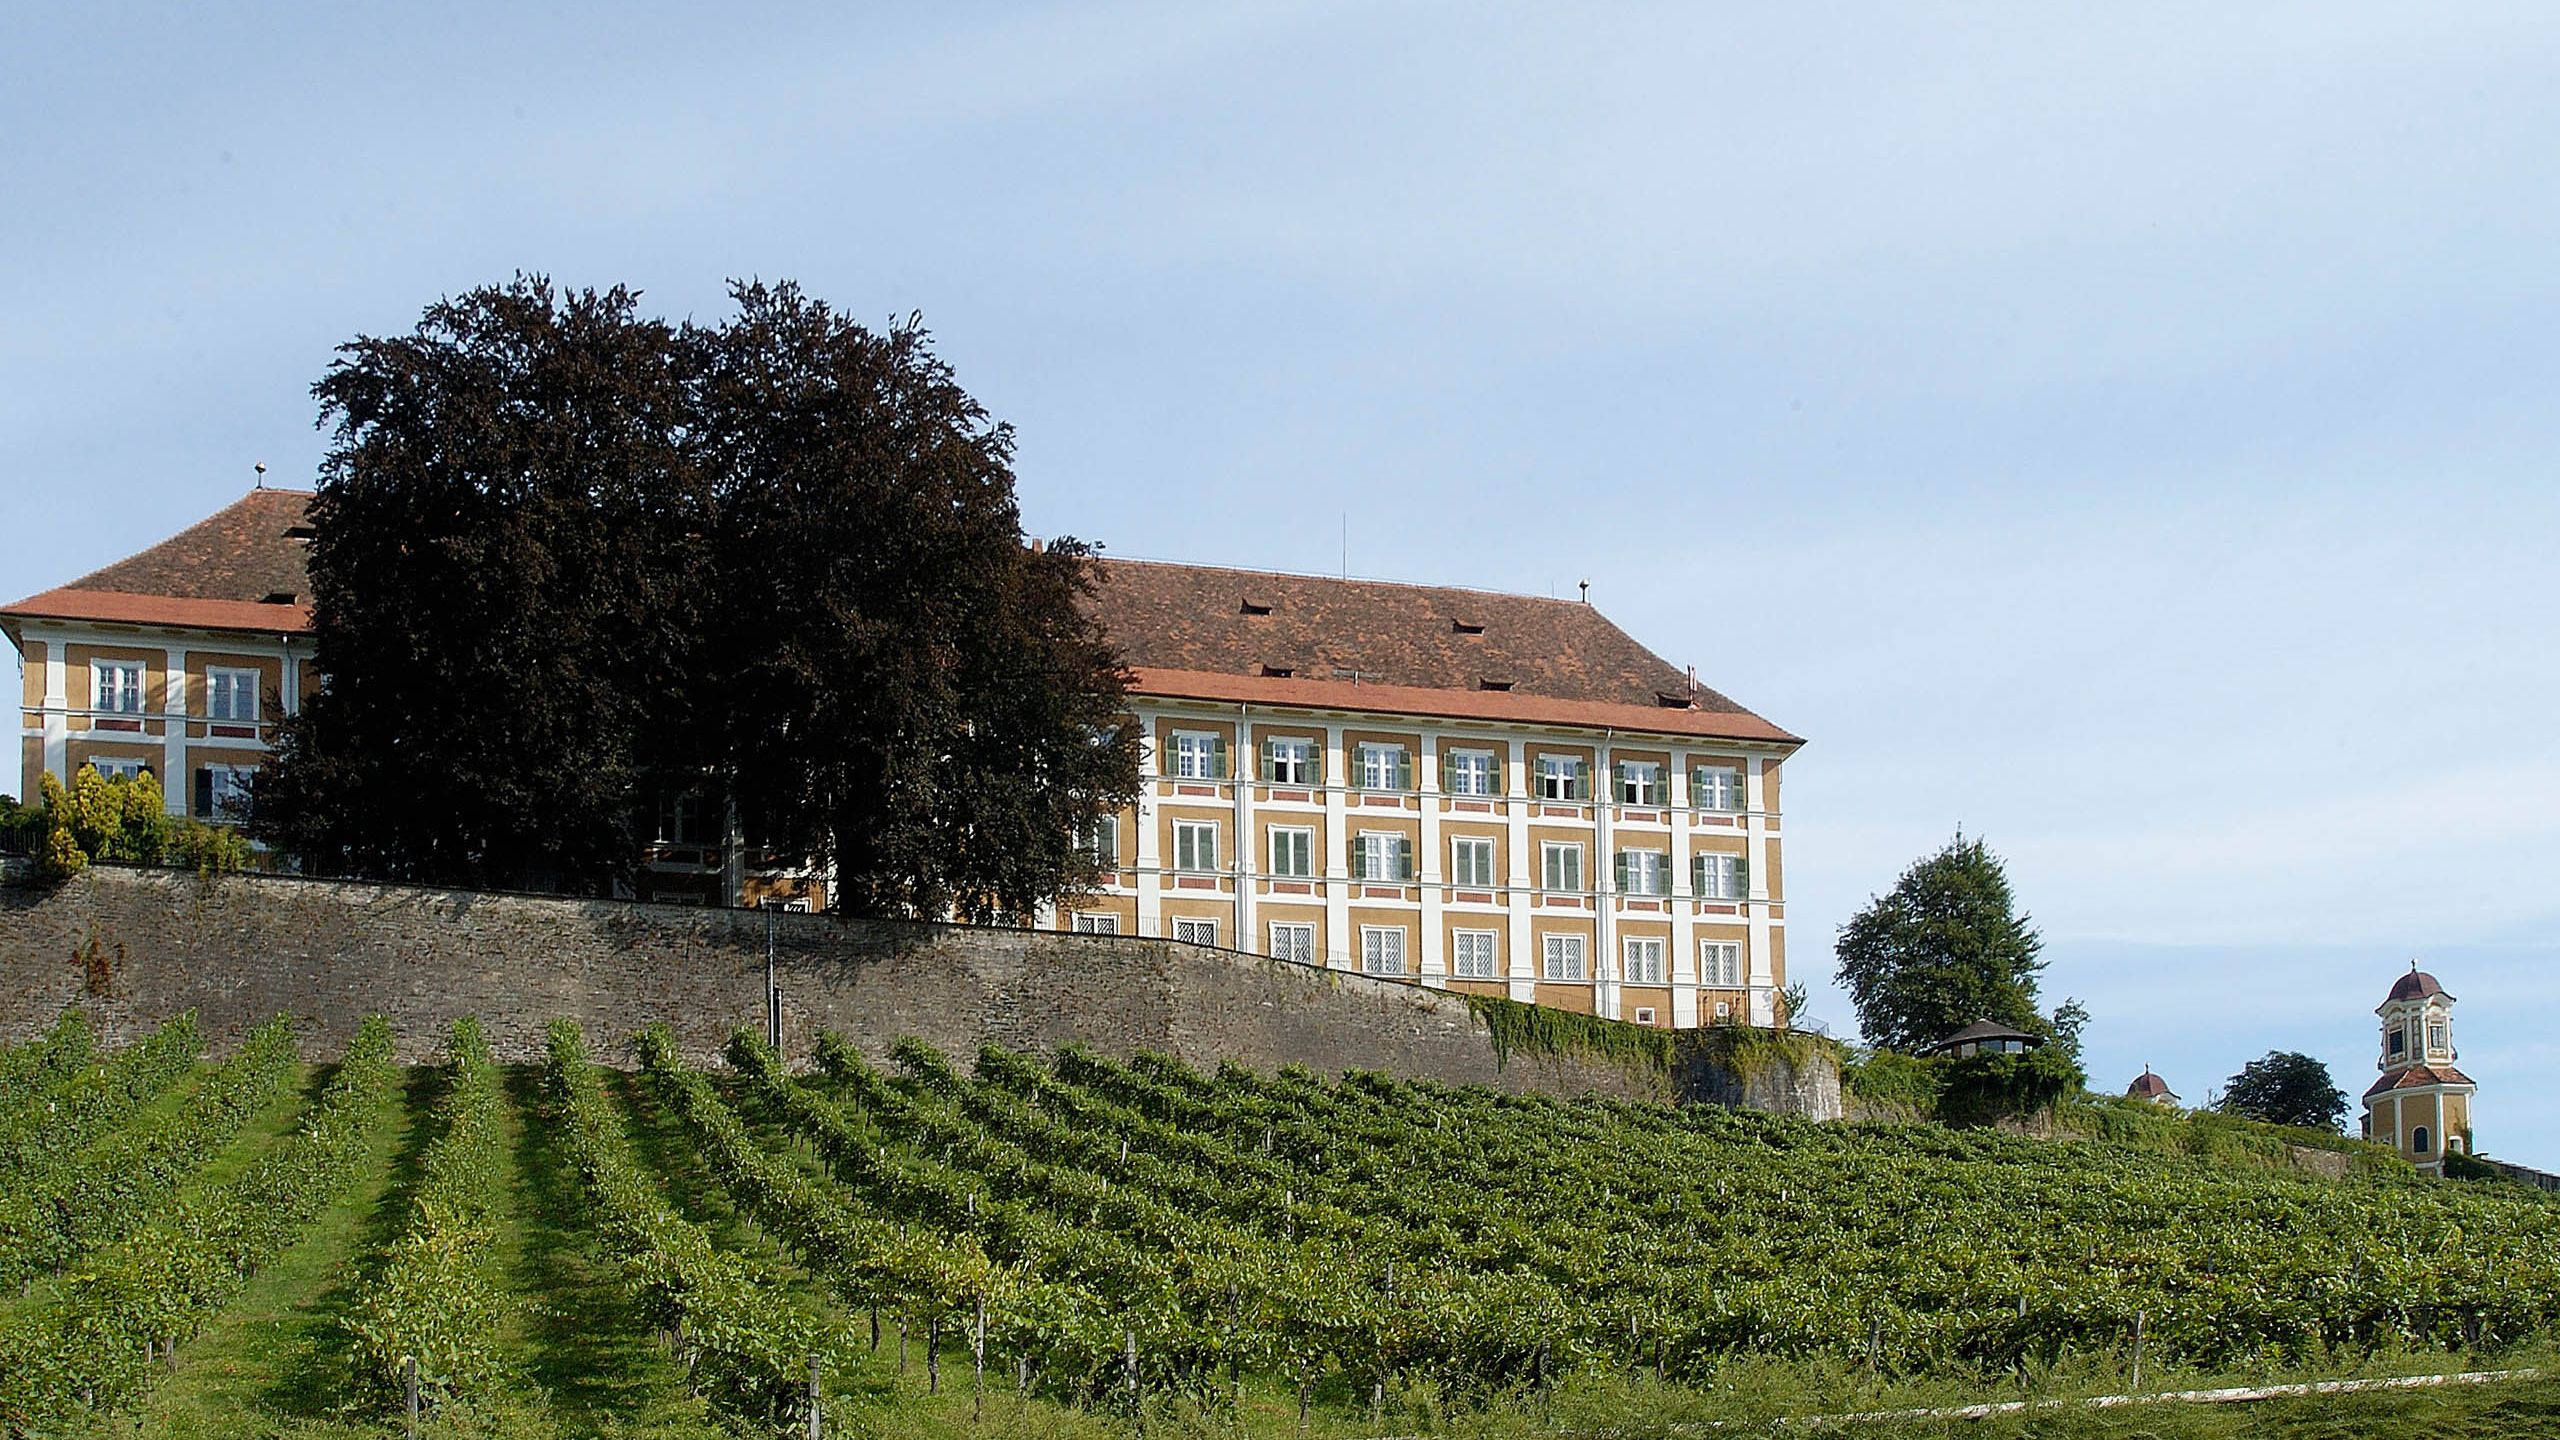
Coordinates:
1750 1052
1720 1064
1539 1031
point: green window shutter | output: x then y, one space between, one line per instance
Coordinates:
1698 788
1618 780
1448 771
1697 875
1493 773
1581 779
1404 768
1218 757
1270 760
1618 873
1404 857
1742 879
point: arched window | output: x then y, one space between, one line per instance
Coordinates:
2418 1140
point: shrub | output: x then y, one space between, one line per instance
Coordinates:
1980 1089
207 849
95 818
1905 1086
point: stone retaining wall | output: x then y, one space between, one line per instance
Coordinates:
134 946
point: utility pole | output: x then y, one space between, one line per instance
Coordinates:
772 994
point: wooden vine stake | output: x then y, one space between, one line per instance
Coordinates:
817 1405
978 1364
409 1377
2138 1317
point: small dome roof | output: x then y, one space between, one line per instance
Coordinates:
2416 985
2147 1086
1985 1030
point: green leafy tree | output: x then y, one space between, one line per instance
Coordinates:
2286 1088
2070 1018
1944 948
569 559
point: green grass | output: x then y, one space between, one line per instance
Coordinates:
263 1366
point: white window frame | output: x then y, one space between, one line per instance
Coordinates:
1374 854
1471 772
109 695
1293 940
116 767
1301 838
1723 877
1644 1014
1720 964
1550 852
221 682
1475 954
1187 841
1460 872
1640 959
1555 776
1195 755
1382 950
1094 922
1651 864
1640 783
1564 957
1722 792
1195 930
2439 1038
1299 758
1379 763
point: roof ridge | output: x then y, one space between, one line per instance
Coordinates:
1356 580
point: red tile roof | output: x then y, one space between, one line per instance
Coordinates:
118 608
2411 1076
238 569
2147 1086
1192 632
1452 704
1209 633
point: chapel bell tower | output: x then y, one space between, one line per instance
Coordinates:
2421 1106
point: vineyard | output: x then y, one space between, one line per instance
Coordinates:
1078 1244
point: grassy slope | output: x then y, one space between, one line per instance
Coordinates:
267 1365
274 1364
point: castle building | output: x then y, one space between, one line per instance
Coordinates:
177 660
1499 794
2421 1104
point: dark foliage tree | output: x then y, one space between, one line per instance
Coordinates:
1944 948
505 572
915 695
2286 1088
568 560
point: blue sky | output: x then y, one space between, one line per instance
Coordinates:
2124 432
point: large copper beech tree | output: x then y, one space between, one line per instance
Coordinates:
568 560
